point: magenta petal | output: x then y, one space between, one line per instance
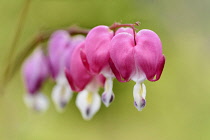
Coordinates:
78 74
75 41
70 80
97 46
159 69
100 80
35 71
127 30
148 54
121 53
84 59
116 72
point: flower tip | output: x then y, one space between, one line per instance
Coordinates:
140 105
139 94
88 103
87 116
61 106
61 95
38 102
107 99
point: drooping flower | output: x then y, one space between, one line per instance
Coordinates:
57 49
60 47
96 53
35 71
87 84
106 53
137 57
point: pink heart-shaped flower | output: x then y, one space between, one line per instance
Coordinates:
97 46
134 60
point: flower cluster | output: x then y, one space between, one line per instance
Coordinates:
83 65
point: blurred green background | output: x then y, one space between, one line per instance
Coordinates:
178 105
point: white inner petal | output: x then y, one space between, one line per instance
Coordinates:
138 76
107 72
93 86
61 78
36 101
61 94
88 103
108 95
139 94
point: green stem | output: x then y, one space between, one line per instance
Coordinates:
16 39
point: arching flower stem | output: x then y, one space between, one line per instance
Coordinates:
41 37
118 25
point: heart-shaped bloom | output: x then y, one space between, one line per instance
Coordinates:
60 48
35 71
87 84
137 57
96 54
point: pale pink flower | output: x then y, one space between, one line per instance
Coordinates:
35 71
60 47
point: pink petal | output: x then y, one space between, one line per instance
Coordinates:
97 46
159 69
78 76
100 80
84 59
58 45
70 80
148 54
35 71
75 41
127 30
121 53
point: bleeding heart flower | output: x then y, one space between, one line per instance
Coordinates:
61 46
35 72
137 57
57 46
84 82
96 54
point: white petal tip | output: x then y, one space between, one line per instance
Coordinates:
61 95
107 98
61 107
139 94
140 104
88 103
38 102
87 116
106 104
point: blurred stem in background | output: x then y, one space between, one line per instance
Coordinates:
41 37
14 63
14 44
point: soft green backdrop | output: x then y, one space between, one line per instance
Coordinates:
178 105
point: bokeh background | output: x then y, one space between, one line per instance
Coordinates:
178 105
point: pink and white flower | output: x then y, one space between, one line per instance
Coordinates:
137 57
87 84
60 48
96 53
35 71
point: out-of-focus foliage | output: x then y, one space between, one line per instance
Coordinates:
177 105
